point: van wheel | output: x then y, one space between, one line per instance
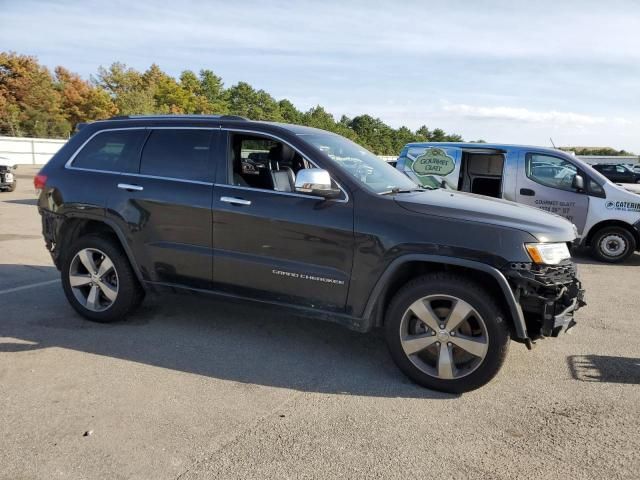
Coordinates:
98 280
446 333
613 244
12 187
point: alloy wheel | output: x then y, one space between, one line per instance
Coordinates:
444 336
93 279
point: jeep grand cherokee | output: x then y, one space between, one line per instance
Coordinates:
304 219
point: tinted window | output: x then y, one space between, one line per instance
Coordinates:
551 171
180 154
115 151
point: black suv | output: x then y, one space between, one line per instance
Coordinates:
618 173
307 219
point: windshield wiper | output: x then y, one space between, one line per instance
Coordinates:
395 190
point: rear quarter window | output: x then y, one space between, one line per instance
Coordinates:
112 150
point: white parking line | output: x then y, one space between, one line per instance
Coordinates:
33 285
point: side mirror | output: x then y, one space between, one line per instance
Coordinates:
578 182
315 181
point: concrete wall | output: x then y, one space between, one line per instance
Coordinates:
29 151
593 159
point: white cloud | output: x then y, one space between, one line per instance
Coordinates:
526 115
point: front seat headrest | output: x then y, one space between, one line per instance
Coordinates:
282 153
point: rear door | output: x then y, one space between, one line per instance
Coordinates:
279 246
545 181
165 206
432 165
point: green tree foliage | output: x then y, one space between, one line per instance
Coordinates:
608 151
127 88
35 102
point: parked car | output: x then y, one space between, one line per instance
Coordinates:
308 220
606 215
618 173
7 177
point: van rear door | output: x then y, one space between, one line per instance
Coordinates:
431 165
545 181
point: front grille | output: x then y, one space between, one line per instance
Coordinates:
547 274
553 274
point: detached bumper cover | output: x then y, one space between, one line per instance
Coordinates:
549 296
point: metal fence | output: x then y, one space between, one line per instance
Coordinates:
29 151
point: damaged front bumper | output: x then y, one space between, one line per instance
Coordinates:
549 296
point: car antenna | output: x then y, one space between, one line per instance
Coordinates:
554 145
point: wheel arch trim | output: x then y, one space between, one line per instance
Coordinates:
515 310
634 229
121 239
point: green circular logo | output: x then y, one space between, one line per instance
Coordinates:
434 161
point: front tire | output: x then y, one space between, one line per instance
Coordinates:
613 244
446 333
12 187
98 280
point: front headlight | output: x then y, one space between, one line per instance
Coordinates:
548 253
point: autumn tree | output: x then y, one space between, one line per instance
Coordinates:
30 103
81 101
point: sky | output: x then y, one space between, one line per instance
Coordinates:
503 71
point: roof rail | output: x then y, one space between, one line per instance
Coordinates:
233 117
195 116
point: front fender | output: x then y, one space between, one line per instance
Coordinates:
382 284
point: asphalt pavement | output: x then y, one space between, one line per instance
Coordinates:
194 387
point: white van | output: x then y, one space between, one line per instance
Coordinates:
606 215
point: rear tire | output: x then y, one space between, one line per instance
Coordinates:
98 280
458 339
613 244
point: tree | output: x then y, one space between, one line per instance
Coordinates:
127 88
607 151
81 101
266 107
30 102
242 100
318 117
212 89
289 113
35 102
423 134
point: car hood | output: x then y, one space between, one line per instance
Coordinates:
546 227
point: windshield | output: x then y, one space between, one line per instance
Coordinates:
371 171
592 172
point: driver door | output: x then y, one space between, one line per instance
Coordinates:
279 246
545 181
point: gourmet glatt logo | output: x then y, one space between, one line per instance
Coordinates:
624 206
434 161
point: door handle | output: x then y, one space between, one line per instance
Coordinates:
235 201
527 191
129 187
